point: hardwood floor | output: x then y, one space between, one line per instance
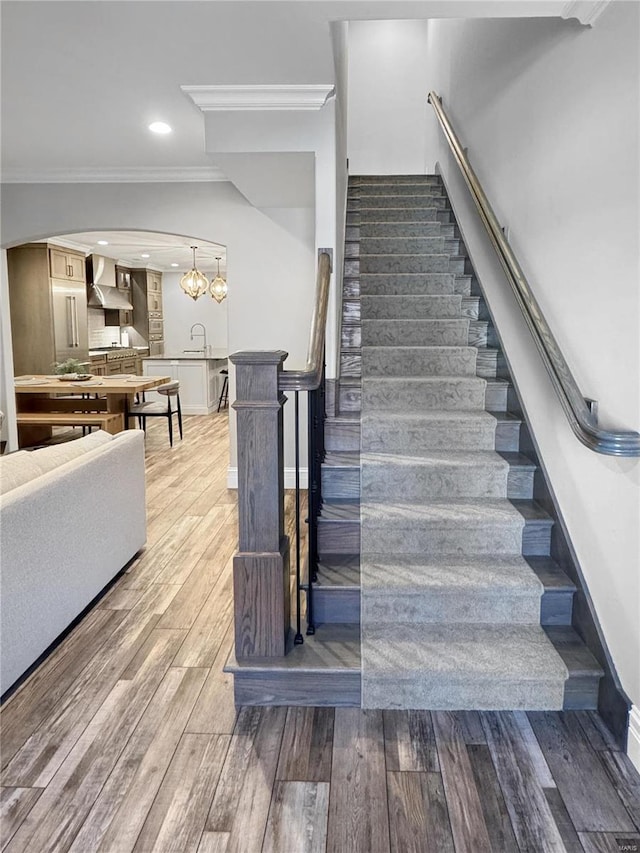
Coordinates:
126 738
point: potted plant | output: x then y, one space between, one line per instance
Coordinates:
70 366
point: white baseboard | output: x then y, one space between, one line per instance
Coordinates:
633 741
289 478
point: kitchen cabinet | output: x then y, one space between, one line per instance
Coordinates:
199 379
123 278
118 317
147 308
64 264
48 314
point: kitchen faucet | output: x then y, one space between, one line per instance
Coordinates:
202 334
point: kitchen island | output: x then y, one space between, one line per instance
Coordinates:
199 377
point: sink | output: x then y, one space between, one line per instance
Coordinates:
193 351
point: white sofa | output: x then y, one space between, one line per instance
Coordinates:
71 517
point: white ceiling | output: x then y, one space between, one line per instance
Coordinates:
163 249
82 80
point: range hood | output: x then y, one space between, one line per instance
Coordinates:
103 293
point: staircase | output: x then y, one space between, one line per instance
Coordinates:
435 586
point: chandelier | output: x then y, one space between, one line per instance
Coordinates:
218 286
194 283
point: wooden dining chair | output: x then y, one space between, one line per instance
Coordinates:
142 411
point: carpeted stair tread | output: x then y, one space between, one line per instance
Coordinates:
509 572
411 307
460 526
418 393
389 476
427 431
459 666
436 359
495 589
450 331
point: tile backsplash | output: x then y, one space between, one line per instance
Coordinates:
99 334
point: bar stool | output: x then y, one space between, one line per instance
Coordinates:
142 411
223 400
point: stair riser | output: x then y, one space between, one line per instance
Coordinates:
536 538
430 539
487 363
407 284
370 230
406 439
478 333
335 606
338 605
338 537
292 687
351 337
390 482
418 361
408 264
507 436
391 214
397 202
340 436
428 605
366 190
410 307
496 398
340 483
419 395
447 695
395 333
350 365
402 246
462 285
372 180
349 399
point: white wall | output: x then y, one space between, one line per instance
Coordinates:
271 273
181 312
388 97
7 397
340 41
549 111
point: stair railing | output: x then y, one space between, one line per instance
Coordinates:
261 568
580 411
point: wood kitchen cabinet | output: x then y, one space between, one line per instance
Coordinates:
48 311
66 265
147 308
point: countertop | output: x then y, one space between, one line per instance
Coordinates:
213 355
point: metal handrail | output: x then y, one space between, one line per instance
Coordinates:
309 378
579 411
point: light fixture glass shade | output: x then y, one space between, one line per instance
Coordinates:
194 283
218 286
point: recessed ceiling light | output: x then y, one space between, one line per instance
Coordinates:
103 242
145 255
159 127
175 265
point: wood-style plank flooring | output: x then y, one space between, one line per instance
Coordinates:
126 738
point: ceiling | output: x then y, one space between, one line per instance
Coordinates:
81 80
163 249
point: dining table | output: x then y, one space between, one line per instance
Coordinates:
48 393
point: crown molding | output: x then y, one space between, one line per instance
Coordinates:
125 175
260 97
586 11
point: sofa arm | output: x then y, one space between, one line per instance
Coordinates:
64 536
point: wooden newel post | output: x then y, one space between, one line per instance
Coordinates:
262 600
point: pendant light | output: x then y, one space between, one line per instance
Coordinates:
194 283
218 286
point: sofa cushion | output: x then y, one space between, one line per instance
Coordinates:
16 469
49 458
